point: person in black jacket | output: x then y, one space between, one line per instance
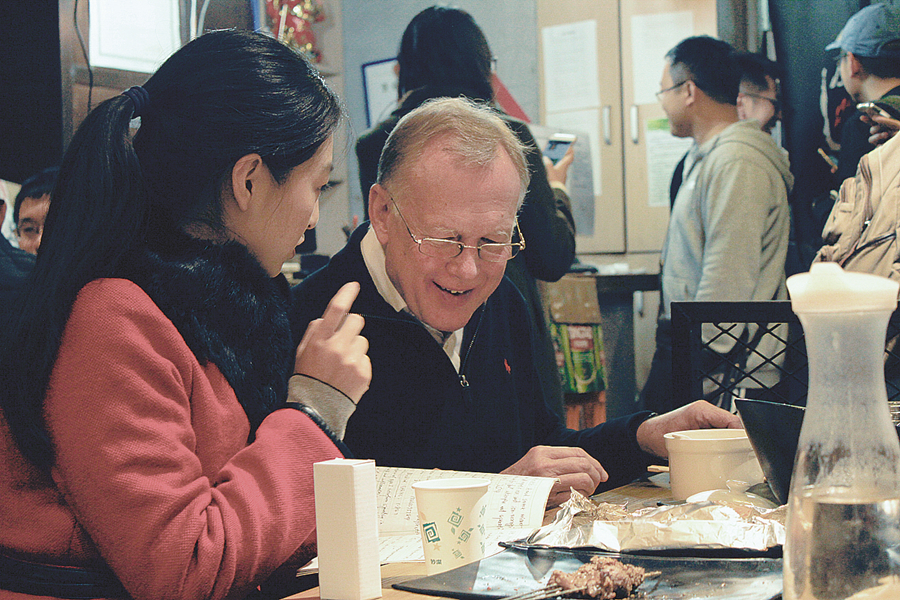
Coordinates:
15 265
443 53
454 384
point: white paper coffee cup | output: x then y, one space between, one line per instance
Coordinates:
451 521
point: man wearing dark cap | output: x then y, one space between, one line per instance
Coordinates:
870 70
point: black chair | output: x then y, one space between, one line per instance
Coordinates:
696 365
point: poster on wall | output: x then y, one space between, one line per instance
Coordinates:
133 35
652 36
570 65
664 150
380 88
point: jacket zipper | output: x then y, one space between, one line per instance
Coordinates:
463 382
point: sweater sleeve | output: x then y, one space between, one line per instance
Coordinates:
152 456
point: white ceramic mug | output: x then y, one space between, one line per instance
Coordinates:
706 459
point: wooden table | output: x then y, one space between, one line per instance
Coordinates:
636 494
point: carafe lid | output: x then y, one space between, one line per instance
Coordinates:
827 288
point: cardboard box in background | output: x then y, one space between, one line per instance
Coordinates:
575 327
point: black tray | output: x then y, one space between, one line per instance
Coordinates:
515 571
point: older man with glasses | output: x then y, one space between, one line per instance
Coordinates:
454 384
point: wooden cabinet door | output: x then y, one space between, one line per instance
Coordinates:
604 228
650 28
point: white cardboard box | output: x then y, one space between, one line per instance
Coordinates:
347 529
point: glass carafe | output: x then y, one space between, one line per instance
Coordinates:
843 522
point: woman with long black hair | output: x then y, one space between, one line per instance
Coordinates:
149 448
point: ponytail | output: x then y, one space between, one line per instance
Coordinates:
97 214
222 96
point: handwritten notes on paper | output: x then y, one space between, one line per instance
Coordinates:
515 508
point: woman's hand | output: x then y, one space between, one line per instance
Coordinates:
560 171
332 350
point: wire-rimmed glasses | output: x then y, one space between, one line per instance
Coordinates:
670 88
447 249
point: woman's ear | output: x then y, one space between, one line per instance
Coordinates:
246 179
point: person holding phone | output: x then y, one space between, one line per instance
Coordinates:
869 63
882 130
443 53
883 123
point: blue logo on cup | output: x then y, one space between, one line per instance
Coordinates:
456 517
431 532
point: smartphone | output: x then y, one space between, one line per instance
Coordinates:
558 145
882 109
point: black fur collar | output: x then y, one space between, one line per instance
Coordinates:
228 310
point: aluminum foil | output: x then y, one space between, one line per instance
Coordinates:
692 525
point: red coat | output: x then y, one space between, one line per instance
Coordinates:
153 473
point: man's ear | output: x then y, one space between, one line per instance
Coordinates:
246 178
379 210
692 91
2 210
856 68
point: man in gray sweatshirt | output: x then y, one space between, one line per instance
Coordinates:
728 230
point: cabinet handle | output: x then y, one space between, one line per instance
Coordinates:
607 138
634 124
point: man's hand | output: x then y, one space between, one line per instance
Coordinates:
697 415
571 467
332 350
882 129
560 170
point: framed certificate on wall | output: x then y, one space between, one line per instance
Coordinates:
380 87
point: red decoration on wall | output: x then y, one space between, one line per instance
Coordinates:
504 98
292 22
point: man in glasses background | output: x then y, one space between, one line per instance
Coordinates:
727 237
759 95
454 384
30 208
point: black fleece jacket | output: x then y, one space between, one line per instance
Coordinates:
419 412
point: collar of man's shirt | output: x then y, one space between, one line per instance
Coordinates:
373 256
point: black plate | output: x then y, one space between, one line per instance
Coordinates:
515 571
